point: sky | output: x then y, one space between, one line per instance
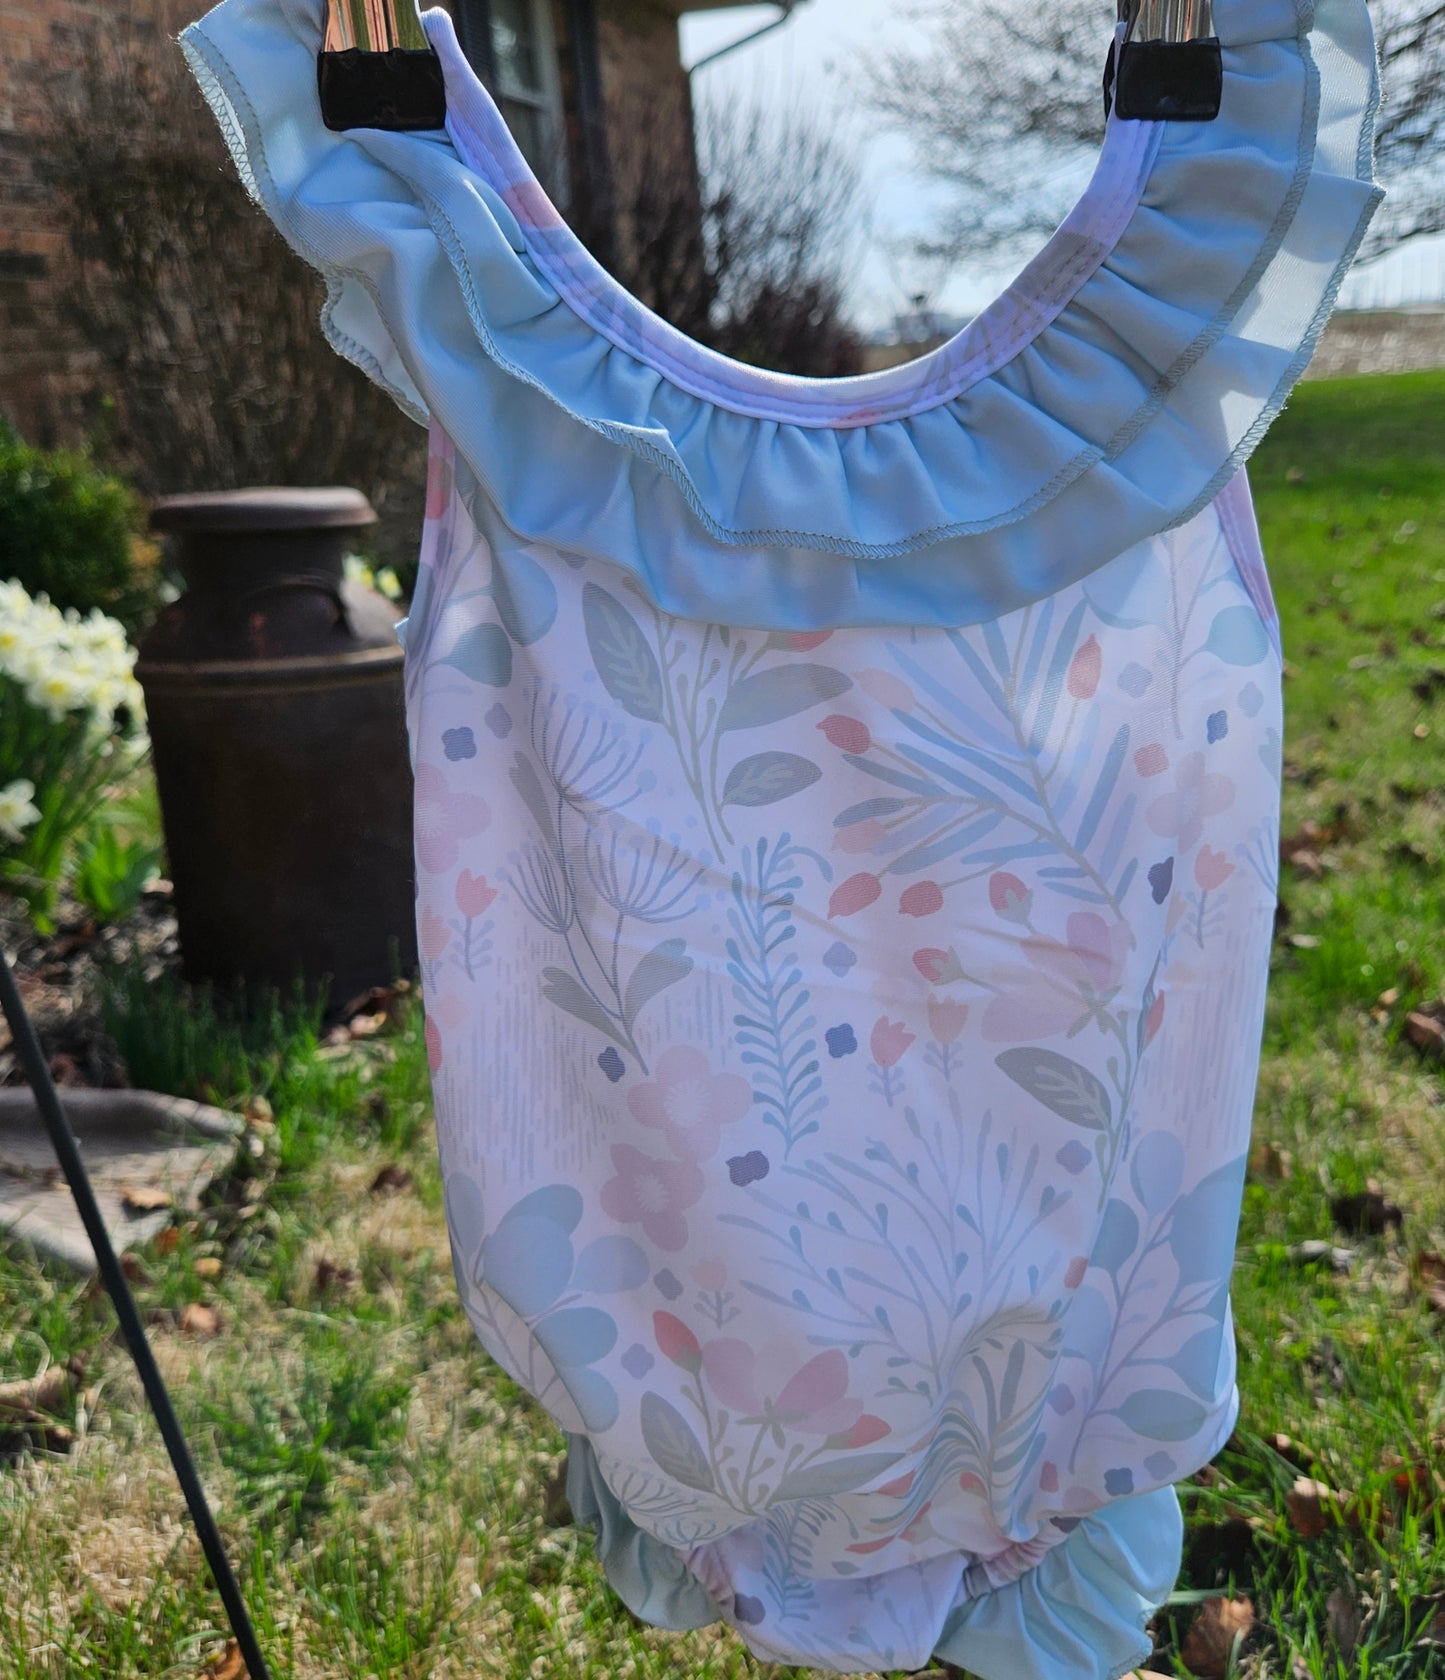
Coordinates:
821 54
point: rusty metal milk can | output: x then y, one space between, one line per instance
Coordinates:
274 692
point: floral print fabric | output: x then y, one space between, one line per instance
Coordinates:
844 1046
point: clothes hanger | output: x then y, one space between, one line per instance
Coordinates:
1166 66
376 70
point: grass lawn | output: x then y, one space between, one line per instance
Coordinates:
384 1490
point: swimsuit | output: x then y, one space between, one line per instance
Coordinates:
846 822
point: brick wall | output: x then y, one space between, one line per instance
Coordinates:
44 371
47 379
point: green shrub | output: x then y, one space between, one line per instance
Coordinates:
74 533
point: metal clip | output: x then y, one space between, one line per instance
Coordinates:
1174 22
373 26
376 68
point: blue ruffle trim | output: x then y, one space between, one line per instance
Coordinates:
1079 1614
1110 393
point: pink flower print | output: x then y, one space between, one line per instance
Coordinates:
1151 760
1009 897
435 934
443 819
859 836
767 1385
1211 868
1198 793
474 896
804 641
946 1019
1101 948
651 1193
1082 975
710 1274
923 898
433 1045
938 967
689 1103
676 1342
889 1041
438 486
845 733
1154 1020
1084 669
855 894
889 691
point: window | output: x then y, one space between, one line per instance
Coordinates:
522 68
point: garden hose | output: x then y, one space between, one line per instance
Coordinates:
47 1100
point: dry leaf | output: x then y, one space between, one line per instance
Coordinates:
1268 1161
227 1665
144 1198
1311 1506
1304 941
1429 1270
200 1320
167 1241
1222 1625
1292 1451
44 1393
391 1181
329 1276
1425 1028
208 1267
1343 1619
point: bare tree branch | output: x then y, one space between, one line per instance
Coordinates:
1003 109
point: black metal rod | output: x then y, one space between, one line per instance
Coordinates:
32 1061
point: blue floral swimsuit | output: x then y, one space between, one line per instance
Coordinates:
846 836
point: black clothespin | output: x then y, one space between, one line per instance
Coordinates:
1169 67
376 70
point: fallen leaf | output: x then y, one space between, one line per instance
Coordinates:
368 1026
1292 1451
1220 1628
1367 1214
208 1267
131 1266
167 1241
199 1320
1429 1271
330 1275
391 1181
258 1113
1268 1161
144 1198
44 1393
1425 1028
1304 941
1312 1507
227 1665
1343 1620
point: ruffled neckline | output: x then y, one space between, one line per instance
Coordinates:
1109 394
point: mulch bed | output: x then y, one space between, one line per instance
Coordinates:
57 977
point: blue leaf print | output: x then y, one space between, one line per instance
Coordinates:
1216 727
528 1261
623 655
484 654
1118 1237
526 597
781 692
1161 880
774 1029
1237 636
611 1265
1103 788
